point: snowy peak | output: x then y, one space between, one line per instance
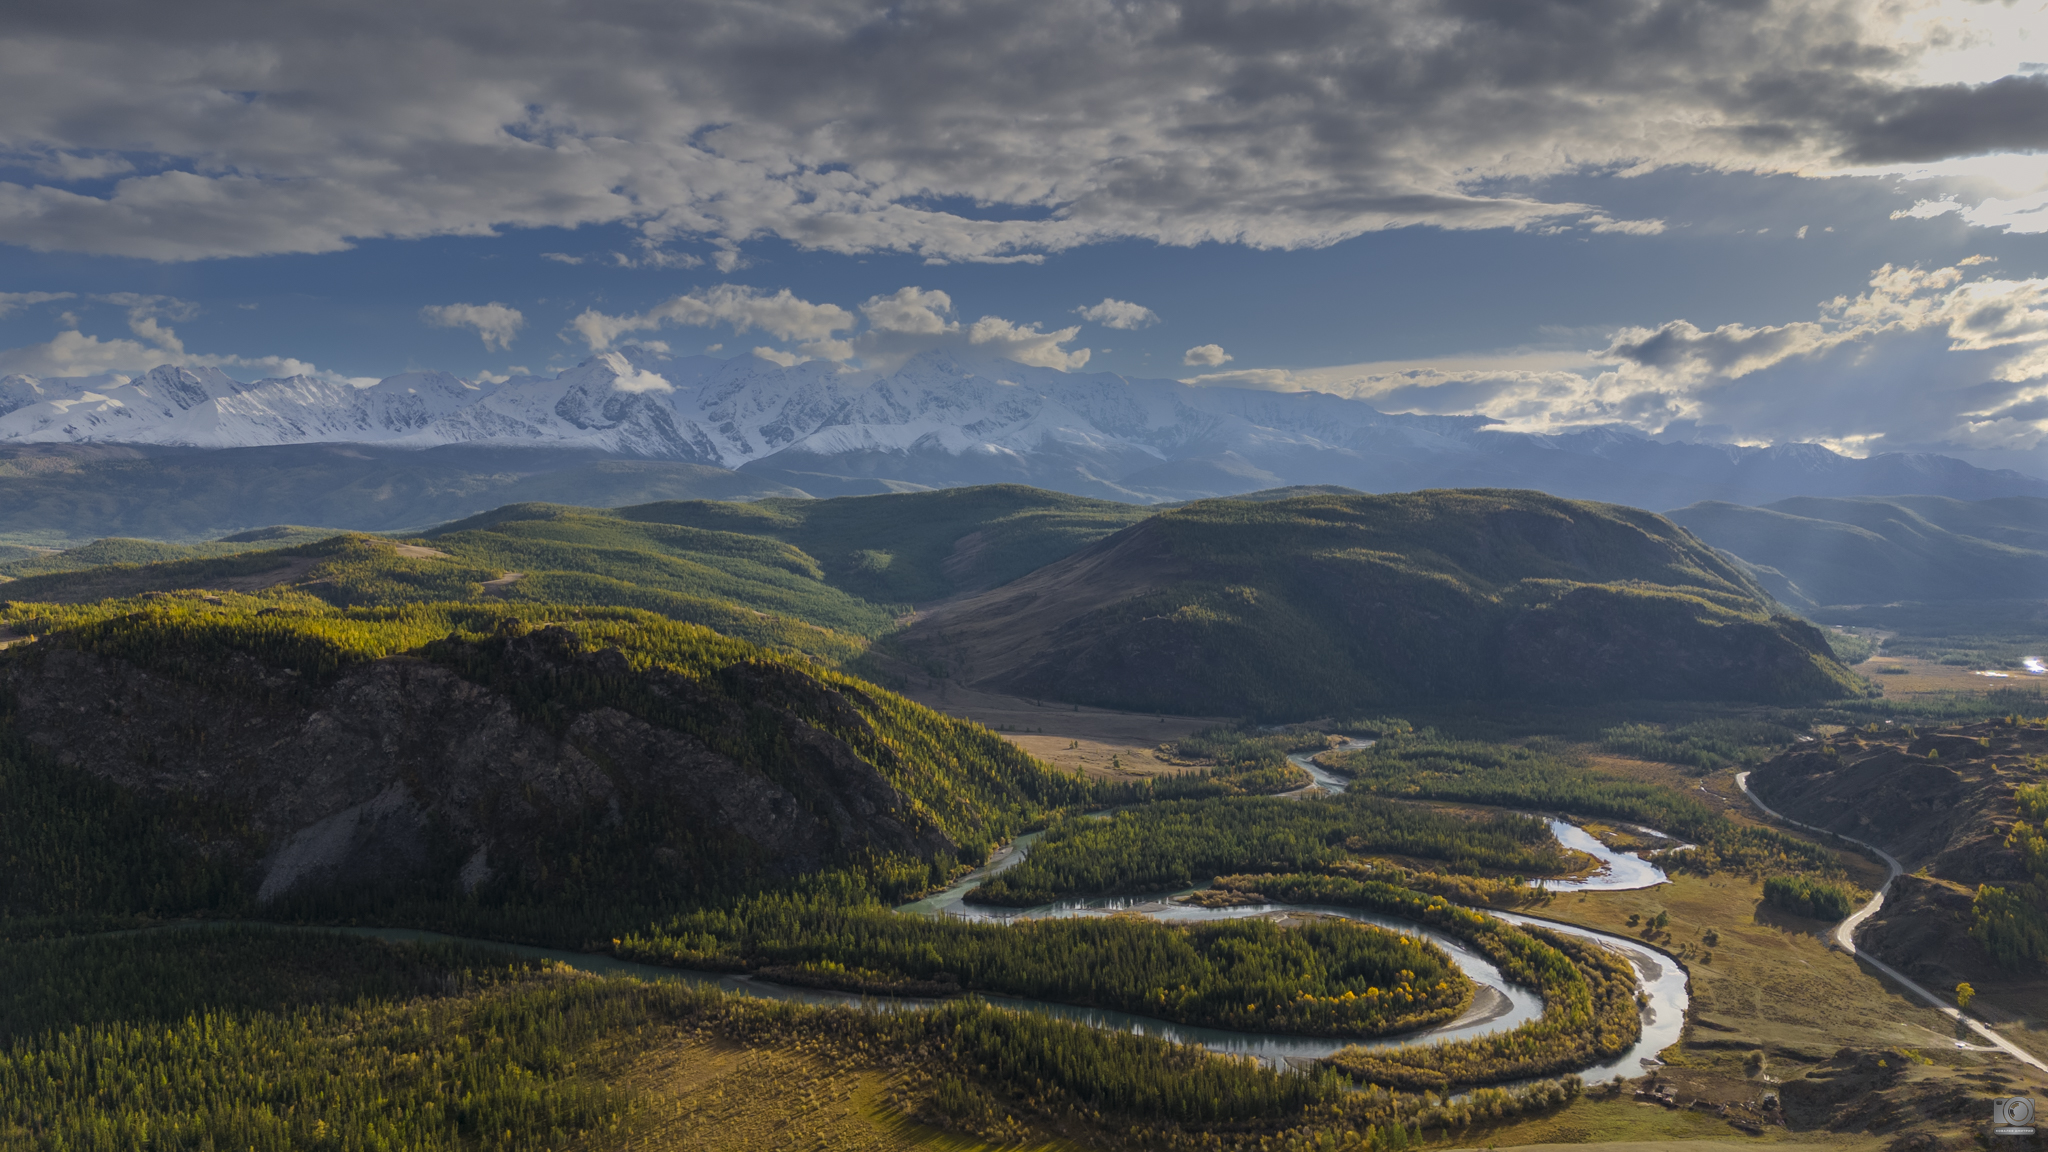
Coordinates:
944 418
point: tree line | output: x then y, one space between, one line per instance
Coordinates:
1164 846
1324 979
1426 765
272 1040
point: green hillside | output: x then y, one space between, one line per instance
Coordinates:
62 495
577 759
814 576
915 547
1877 550
119 550
1335 604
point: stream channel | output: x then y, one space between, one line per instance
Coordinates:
1498 1005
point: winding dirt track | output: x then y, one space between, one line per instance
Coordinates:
1845 933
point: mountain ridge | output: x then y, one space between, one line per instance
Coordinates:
945 421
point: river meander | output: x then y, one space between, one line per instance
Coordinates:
1499 1004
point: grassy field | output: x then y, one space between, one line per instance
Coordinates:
702 1090
1104 743
1920 678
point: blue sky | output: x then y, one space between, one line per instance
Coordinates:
1555 213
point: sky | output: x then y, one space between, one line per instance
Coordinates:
1749 221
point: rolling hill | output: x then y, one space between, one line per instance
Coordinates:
814 576
1342 604
1877 550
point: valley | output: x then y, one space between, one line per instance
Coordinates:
984 817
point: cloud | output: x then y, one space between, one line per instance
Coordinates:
12 302
1604 223
1922 359
1207 355
2024 214
912 311
899 325
1025 344
73 353
912 320
782 315
1113 313
863 127
495 322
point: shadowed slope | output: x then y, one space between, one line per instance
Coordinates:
1338 603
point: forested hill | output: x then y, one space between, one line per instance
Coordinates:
819 577
1337 603
187 753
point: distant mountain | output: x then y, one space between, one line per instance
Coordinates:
942 421
65 494
1812 552
1343 605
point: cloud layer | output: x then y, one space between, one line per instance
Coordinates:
996 130
1950 359
898 326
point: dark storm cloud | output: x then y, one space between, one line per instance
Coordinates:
1935 123
212 129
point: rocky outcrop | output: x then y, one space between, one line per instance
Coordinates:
1943 800
403 772
1943 804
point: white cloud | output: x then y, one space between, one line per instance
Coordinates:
1113 313
777 356
827 124
496 323
782 315
72 353
12 302
1923 359
1025 344
1605 223
75 353
913 320
909 310
2025 214
1206 355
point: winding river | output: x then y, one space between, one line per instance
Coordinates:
1499 1004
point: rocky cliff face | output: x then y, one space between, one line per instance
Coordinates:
403 773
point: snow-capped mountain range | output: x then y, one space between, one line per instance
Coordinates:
940 420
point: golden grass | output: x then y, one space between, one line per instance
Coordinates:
1623 1125
700 1091
1928 678
1104 743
